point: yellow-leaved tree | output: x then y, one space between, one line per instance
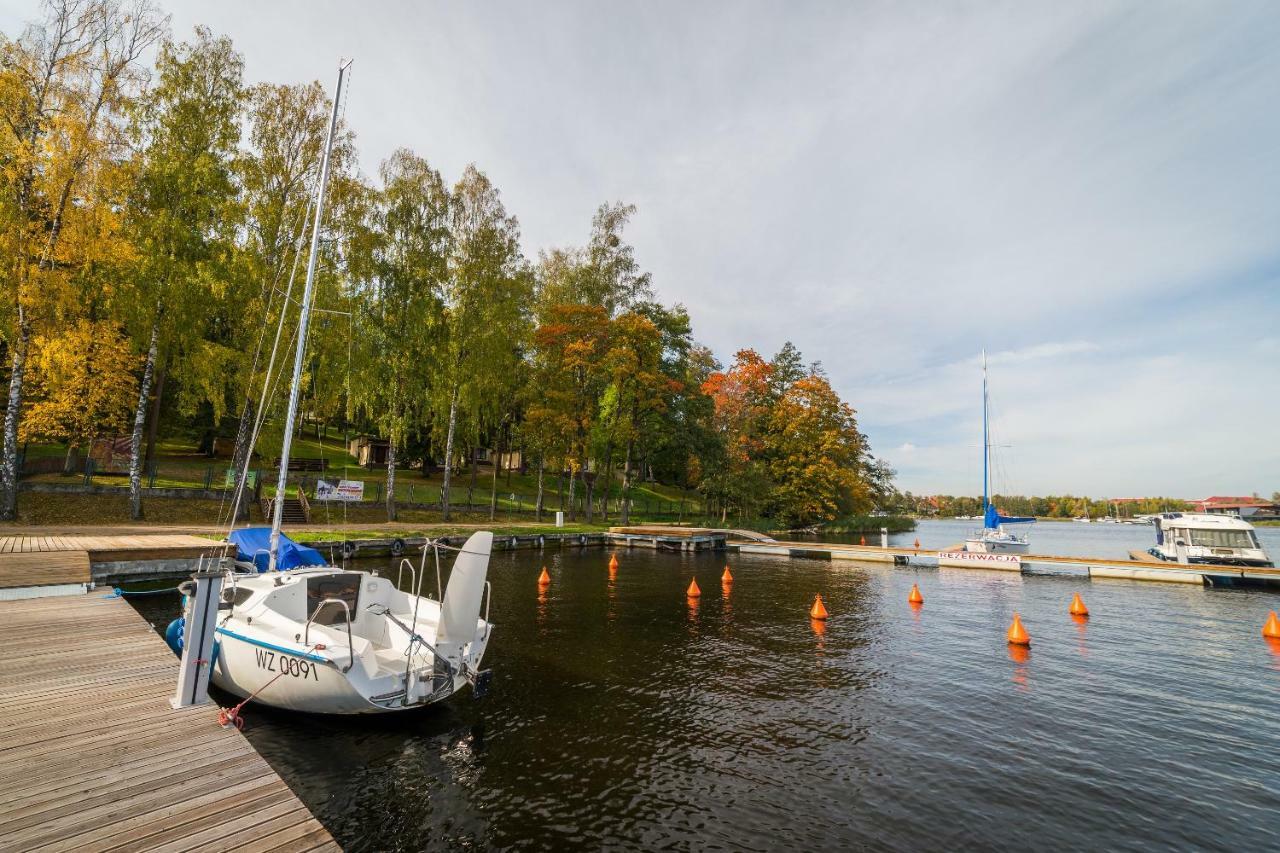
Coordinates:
815 454
83 387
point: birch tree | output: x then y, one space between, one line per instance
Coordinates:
486 297
400 300
184 211
64 85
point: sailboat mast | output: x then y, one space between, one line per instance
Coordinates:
304 318
986 437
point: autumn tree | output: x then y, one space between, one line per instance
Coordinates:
65 84
815 455
84 385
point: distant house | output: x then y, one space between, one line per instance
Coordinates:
369 450
511 460
1242 507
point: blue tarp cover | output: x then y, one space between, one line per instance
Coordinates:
994 519
252 544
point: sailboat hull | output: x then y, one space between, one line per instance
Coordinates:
981 545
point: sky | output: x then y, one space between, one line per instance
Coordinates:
1088 191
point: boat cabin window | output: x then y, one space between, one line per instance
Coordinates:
1222 538
345 587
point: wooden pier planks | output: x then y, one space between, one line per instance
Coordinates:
94 758
44 569
19 553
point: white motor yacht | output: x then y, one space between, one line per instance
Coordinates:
1204 538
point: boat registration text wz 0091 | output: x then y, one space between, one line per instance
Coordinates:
272 662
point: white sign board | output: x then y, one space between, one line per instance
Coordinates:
345 490
980 560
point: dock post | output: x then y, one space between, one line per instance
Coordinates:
559 518
197 644
1180 548
884 537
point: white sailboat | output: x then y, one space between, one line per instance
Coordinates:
993 538
305 636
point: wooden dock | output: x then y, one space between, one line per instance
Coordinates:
38 564
663 537
94 758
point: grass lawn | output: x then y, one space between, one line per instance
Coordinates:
179 465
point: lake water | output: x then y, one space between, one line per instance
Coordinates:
622 717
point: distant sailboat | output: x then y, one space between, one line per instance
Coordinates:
993 538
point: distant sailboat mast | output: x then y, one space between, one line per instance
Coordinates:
986 442
308 293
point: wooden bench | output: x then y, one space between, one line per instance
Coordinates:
303 464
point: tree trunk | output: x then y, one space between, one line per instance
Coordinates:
608 481
626 485
448 454
573 510
587 496
9 466
139 420
69 463
560 485
537 506
391 481
154 426
493 491
471 482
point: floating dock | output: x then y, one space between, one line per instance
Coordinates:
94 757
1094 567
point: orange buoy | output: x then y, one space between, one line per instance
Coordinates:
914 597
818 611
917 543
693 591
727 577
862 540
544 578
1018 635
1271 630
613 561
1077 606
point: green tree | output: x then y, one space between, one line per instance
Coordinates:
485 297
184 217
401 310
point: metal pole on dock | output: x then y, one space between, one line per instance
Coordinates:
197 642
884 537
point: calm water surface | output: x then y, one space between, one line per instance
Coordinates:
622 717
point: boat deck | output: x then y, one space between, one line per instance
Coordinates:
94 758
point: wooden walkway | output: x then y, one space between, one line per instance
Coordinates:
28 561
94 758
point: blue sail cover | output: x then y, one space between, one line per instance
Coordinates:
994 519
253 543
